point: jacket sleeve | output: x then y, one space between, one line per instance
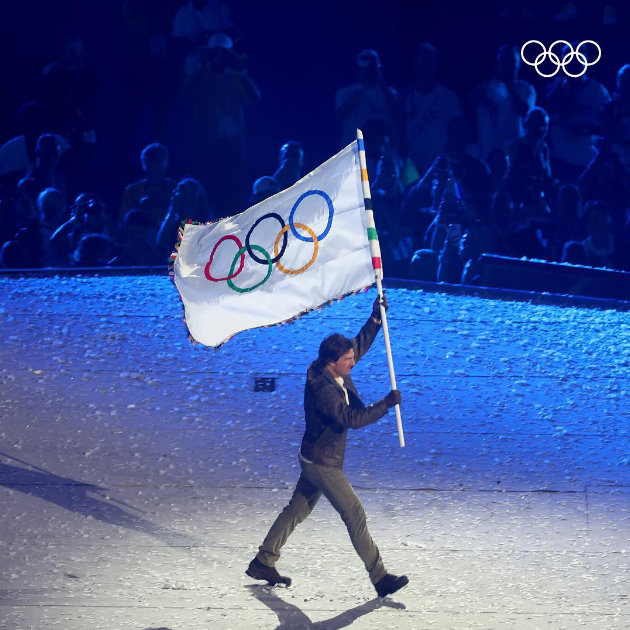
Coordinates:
330 403
365 338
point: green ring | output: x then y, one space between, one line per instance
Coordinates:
238 253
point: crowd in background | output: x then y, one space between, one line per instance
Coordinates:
502 170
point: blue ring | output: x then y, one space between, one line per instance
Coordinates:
331 212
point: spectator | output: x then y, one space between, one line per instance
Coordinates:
44 174
378 143
450 264
263 188
69 89
94 250
471 173
17 156
70 86
396 239
14 256
153 193
575 105
149 72
502 219
24 250
499 165
218 92
600 243
188 201
52 210
529 175
30 241
370 98
574 253
615 119
291 162
138 247
196 22
459 260
7 222
421 203
474 243
429 107
423 266
607 179
454 211
502 103
568 224
89 216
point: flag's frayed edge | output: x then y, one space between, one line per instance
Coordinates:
171 267
171 273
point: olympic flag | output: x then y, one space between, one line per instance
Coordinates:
289 254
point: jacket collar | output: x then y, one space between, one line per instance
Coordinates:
315 372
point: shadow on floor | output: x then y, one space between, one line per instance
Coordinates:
292 618
88 501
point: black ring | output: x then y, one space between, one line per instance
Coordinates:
250 251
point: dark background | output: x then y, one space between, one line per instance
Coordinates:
299 52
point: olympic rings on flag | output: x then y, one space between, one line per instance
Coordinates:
231 275
277 256
331 212
240 251
295 272
278 252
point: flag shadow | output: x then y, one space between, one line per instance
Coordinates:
292 618
87 500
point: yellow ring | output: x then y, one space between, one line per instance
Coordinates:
312 234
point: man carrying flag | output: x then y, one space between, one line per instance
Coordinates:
332 406
306 246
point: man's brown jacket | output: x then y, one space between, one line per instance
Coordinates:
328 416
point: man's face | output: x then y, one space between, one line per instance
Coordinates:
343 365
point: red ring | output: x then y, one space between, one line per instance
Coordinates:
240 246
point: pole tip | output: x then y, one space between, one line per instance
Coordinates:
359 134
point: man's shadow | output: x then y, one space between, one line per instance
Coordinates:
87 500
291 617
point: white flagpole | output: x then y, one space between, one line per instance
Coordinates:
375 251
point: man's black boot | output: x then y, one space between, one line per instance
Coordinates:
390 584
260 571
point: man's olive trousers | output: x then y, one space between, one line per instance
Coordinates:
314 481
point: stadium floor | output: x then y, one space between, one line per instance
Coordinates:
139 473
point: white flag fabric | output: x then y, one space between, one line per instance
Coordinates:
289 254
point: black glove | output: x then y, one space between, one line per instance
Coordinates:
376 309
393 398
